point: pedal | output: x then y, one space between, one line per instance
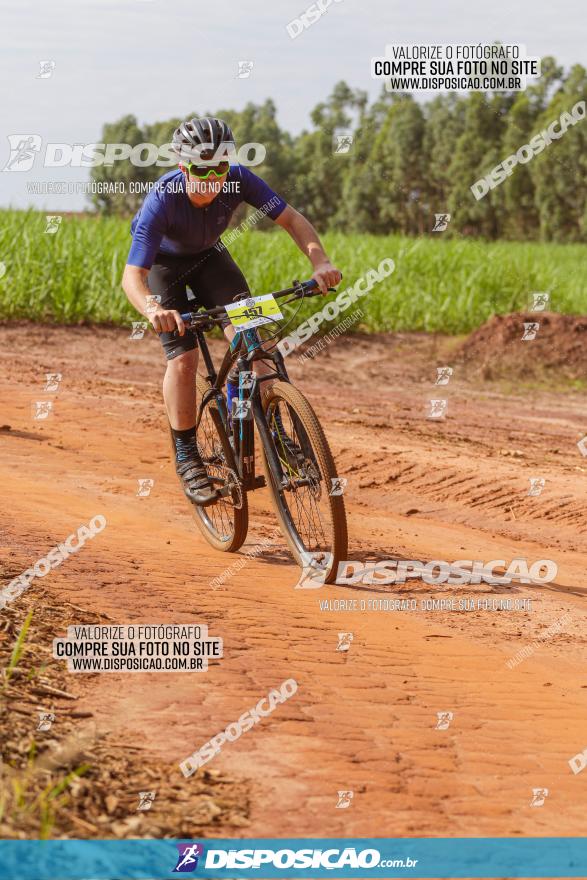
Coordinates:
212 500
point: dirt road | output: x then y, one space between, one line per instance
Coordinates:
363 720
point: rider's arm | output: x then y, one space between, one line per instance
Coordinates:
308 241
134 284
148 230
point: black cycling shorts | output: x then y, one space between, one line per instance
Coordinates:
214 278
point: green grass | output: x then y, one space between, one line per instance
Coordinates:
440 284
18 648
23 796
25 800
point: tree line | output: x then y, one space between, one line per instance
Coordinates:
408 160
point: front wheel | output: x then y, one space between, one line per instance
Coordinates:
225 523
310 509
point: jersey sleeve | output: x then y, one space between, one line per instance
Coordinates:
148 232
259 194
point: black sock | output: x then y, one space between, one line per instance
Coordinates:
185 444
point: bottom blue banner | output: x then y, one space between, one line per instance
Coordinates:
303 858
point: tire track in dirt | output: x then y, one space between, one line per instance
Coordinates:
363 720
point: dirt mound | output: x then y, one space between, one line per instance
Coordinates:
506 346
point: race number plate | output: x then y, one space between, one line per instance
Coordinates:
253 311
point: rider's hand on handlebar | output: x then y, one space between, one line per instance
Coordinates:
166 320
326 275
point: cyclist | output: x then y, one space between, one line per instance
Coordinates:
176 244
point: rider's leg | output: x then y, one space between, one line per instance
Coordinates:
167 281
179 390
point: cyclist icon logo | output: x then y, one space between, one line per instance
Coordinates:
444 719
530 331
42 409
315 566
23 149
241 409
187 860
536 486
337 485
443 375
344 641
246 380
539 302
539 795
582 444
52 381
343 143
152 301
138 329
47 68
437 409
441 222
46 719
53 224
344 799
145 487
146 799
245 69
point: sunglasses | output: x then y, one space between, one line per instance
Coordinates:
202 172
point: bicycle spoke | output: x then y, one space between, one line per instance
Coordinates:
220 515
304 506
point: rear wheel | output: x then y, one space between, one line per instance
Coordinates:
313 519
225 523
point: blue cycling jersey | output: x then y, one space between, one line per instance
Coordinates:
169 223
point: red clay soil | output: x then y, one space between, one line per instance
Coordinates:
364 720
497 348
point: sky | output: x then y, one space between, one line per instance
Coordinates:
162 58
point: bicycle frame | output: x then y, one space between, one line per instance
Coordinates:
245 348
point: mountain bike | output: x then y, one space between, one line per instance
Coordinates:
298 467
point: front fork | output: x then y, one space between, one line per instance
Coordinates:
251 342
248 341
279 479
245 438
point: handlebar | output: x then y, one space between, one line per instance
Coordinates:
299 290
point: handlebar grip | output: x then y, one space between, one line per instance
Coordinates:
312 284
